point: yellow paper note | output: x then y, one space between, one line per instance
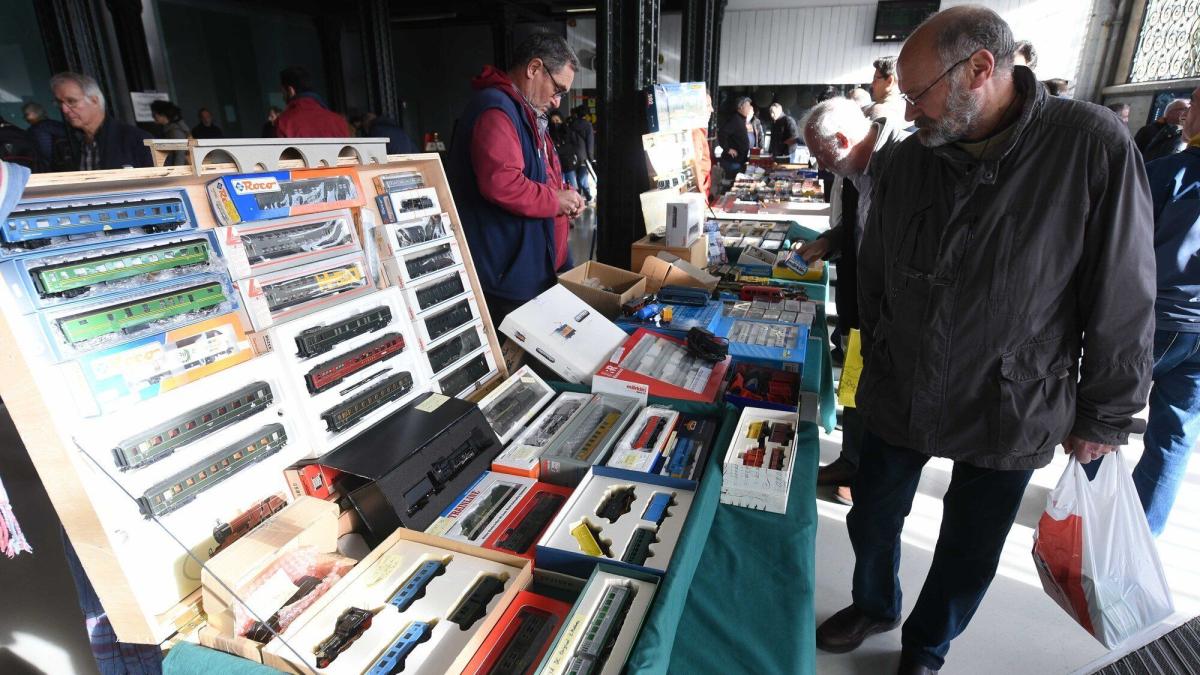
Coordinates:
851 370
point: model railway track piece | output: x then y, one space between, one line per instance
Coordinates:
473 606
440 291
525 640
439 258
485 512
443 322
129 315
588 538
333 371
306 192
393 658
160 441
264 631
504 412
350 626
32 225
324 284
182 488
617 502
657 509
464 376
75 277
638 548
533 523
319 339
346 414
601 632
413 588
453 349
287 242
227 533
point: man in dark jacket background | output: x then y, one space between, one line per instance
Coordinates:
507 182
585 149
306 115
206 126
1163 136
95 140
740 134
44 131
978 281
784 133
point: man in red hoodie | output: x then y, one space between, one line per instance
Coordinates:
506 178
306 114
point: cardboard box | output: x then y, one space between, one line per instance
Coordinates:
696 254
526 607
563 332
685 219
625 285
666 269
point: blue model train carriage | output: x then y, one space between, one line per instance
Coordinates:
656 510
32 224
413 588
393 658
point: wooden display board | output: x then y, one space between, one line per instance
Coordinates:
29 391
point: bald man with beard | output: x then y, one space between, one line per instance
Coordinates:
1011 225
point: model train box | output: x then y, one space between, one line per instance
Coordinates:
564 333
258 248
523 456
629 519
521 637
603 625
392 239
778 345
604 287
759 462
523 527
511 405
476 513
757 386
417 603
664 364
587 439
283 295
416 462
248 197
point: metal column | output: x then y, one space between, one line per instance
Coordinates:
378 62
131 44
70 31
329 33
626 63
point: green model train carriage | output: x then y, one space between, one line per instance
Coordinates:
129 315
72 278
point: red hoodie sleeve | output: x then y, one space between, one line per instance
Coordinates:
499 169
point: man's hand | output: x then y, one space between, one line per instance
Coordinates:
732 153
813 251
1086 451
569 203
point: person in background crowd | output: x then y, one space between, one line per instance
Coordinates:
16 146
1163 136
95 141
1025 55
1122 111
857 150
268 127
828 92
382 126
784 134
567 148
306 115
702 151
885 92
505 175
860 97
1057 87
978 281
585 140
740 134
206 128
44 132
168 116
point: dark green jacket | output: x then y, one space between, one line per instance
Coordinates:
981 284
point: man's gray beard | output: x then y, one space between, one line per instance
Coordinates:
962 112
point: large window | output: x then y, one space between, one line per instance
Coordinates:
1169 42
24 71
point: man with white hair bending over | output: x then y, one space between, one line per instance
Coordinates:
857 151
1012 227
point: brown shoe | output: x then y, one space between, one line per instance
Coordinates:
846 630
909 666
838 472
843 495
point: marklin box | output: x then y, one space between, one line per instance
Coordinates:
565 333
612 286
247 197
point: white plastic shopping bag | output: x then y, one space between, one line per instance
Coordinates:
1095 554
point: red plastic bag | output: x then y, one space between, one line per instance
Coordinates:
1096 557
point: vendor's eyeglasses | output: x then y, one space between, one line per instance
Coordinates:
912 100
559 90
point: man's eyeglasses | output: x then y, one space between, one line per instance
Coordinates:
912 100
559 90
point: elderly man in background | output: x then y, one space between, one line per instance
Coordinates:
1164 136
857 151
740 135
507 180
95 140
978 281
885 92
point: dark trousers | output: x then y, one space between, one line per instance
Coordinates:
979 508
